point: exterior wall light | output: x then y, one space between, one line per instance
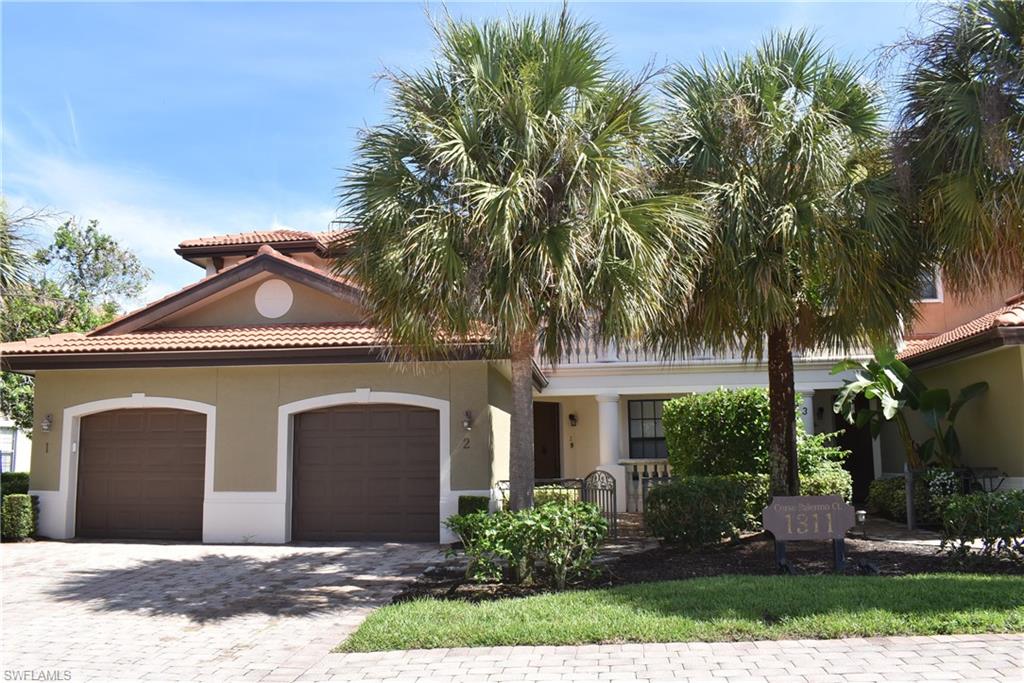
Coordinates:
467 421
573 421
46 423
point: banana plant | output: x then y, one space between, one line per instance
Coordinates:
896 388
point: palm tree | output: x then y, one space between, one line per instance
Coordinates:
961 140
811 250
15 261
511 189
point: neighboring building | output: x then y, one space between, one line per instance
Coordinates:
254 406
15 448
988 348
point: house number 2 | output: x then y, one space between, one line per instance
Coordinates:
465 442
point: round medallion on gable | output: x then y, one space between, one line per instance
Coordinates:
274 298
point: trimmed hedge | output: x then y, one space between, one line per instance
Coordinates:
16 516
888 498
470 504
996 519
719 432
696 511
13 482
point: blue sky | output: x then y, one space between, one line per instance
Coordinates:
170 121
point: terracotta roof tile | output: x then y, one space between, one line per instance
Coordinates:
282 236
277 336
1011 315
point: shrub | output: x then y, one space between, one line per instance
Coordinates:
827 481
718 432
553 493
13 482
888 498
756 496
478 534
996 519
566 538
16 517
468 504
695 511
562 536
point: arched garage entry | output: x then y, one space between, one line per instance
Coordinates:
367 466
141 474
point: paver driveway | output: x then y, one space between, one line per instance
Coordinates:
130 611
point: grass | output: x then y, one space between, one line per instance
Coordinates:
712 609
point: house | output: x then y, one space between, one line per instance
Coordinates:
987 347
15 447
254 405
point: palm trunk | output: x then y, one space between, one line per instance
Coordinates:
521 473
782 414
913 459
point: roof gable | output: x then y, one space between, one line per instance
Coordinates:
240 276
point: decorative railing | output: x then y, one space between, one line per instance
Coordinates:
588 351
641 473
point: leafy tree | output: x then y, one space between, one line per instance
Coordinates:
892 388
961 140
511 189
79 280
785 149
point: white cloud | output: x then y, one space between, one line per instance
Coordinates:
147 212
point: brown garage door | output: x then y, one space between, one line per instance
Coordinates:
366 472
140 474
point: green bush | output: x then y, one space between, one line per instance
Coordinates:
553 493
696 511
16 516
888 498
468 504
718 432
564 537
756 496
726 432
13 482
996 519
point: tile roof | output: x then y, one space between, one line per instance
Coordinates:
276 336
282 236
1010 315
265 251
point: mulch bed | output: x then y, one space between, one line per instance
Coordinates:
753 555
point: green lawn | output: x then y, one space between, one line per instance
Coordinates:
720 608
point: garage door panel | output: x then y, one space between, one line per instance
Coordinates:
141 474
372 476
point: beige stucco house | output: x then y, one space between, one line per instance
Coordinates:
255 405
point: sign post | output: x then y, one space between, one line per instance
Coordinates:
809 518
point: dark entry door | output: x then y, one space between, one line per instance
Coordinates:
547 455
367 472
140 474
861 461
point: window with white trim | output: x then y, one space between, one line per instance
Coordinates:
646 435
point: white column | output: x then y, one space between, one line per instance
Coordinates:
807 410
608 444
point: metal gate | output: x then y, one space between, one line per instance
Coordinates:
597 488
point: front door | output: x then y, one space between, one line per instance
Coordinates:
547 454
861 461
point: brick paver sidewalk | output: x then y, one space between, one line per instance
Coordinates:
937 658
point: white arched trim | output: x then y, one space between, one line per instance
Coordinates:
57 508
285 421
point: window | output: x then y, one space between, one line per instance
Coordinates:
931 289
646 436
7 441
